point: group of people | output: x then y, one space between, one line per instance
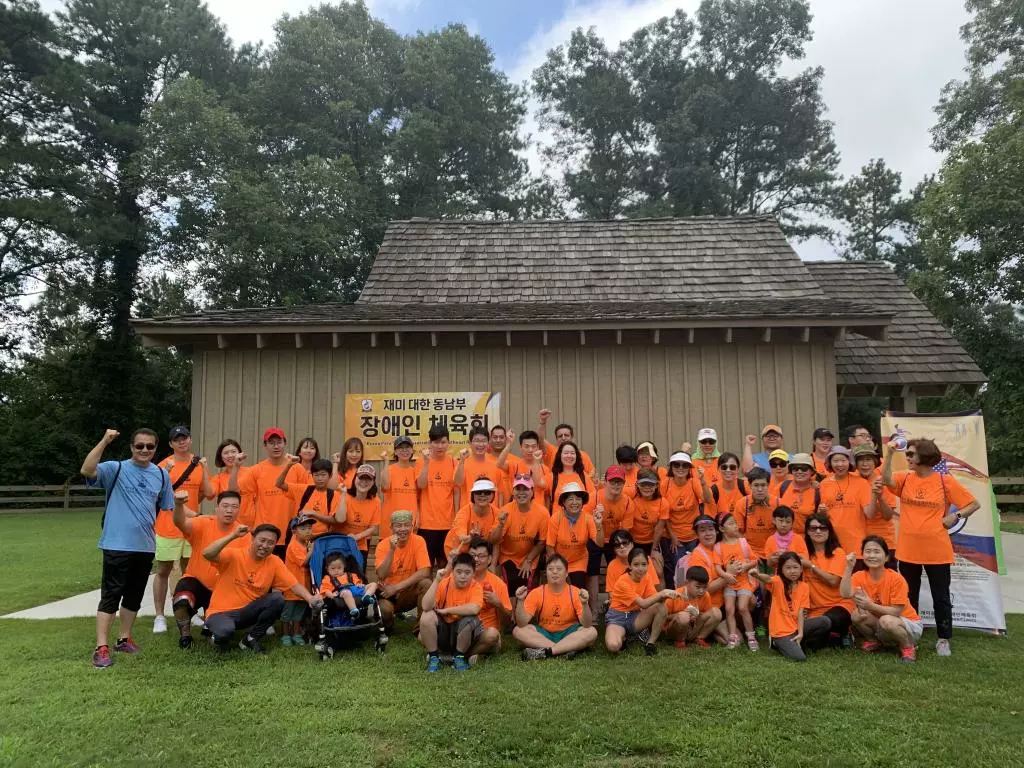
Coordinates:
806 548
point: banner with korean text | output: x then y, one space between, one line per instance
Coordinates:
378 418
977 603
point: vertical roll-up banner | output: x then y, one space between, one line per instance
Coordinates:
977 603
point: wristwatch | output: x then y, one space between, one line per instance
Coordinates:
960 515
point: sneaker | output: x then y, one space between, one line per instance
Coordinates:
353 614
533 654
286 639
734 640
871 646
433 663
569 656
250 643
847 640
126 645
198 621
369 599
644 636
702 643
159 625
460 663
681 644
942 647
297 640
908 655
752 644
101 657
185 642
650 649
270 631
760 631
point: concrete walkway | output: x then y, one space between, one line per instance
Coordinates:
1012 588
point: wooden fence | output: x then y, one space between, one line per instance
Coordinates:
1008 499
16 498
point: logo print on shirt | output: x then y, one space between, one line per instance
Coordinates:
522 529
437 475
557 612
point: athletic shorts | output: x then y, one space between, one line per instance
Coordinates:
192 591
627 621
737 592
124 580
510 572
557 637
594 554
914 628
171 550
294 610
357 590
578 579
435 544
447 632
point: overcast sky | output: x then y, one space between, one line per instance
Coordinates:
885 60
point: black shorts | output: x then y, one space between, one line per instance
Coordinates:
594 555
448 632
510 572
281 550
578 579
647 548
125 575
192 592
435 545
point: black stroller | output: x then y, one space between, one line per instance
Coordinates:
339 631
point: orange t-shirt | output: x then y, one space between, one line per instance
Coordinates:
345 580
804 503
205 531
295 557
629 488
685 503
819 465
360 514
273 505
514 465
521 531
317 503
244 579
877 525
680 604
618 514
571 477
553 610
775 483
646 514
247 510
924 501
756 520
550 451
846 500
773 545
194 485
705 558
570 540
437 500
712 474
486 470
889 591
824 596
626 591
617 569
727 552
727 499
406 561
784 618
467 523
450 596
490 582
401 494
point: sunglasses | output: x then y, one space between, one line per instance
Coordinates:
621 544
911 454
777 464
708 442
799 469
144 446
813 528
729 467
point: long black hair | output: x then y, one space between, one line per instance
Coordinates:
557 468
784 558
831 543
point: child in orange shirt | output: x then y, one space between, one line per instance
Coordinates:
295 558
343 587
733 560
450 615
788 625
691 617
636 606
883 613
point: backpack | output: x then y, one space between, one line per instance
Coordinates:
743 545
572 602
308 494
714 491
117 473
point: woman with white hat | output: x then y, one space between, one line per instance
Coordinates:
571 528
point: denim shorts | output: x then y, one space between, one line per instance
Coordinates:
626 620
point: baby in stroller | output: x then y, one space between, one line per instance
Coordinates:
343 590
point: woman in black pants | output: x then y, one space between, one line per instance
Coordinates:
824 572
923 543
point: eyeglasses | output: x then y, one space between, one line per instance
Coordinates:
480 555
777 464
813 528
729 467
144 446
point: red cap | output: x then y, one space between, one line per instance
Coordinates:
615 472
273 432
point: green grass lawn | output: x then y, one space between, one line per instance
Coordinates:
47 556
1008 527
715 708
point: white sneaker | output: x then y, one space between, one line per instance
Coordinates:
198 621
270 630
942 648
159 625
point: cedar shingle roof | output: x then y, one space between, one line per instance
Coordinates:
743 258
917 350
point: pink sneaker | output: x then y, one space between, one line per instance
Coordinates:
126 645
101 657
734 641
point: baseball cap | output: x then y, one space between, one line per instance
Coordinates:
680 457
302 519
650 449
704 520
771 428
403 440
801 460
647 477
615 472
823 432
779 454
707 433
482 485
179 431
366 470
524 481
273 432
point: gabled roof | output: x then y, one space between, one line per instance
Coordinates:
917 351
732 259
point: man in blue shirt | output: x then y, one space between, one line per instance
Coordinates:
136 490
771 440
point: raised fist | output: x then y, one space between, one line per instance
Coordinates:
464 453
544 415
202 461
291 458
503 517
538 455
384 455
240 457
686 447
521 593
426 453
241 530
110 436
751 440
394 540
336 457
598 516
181 496
584 596
851 558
